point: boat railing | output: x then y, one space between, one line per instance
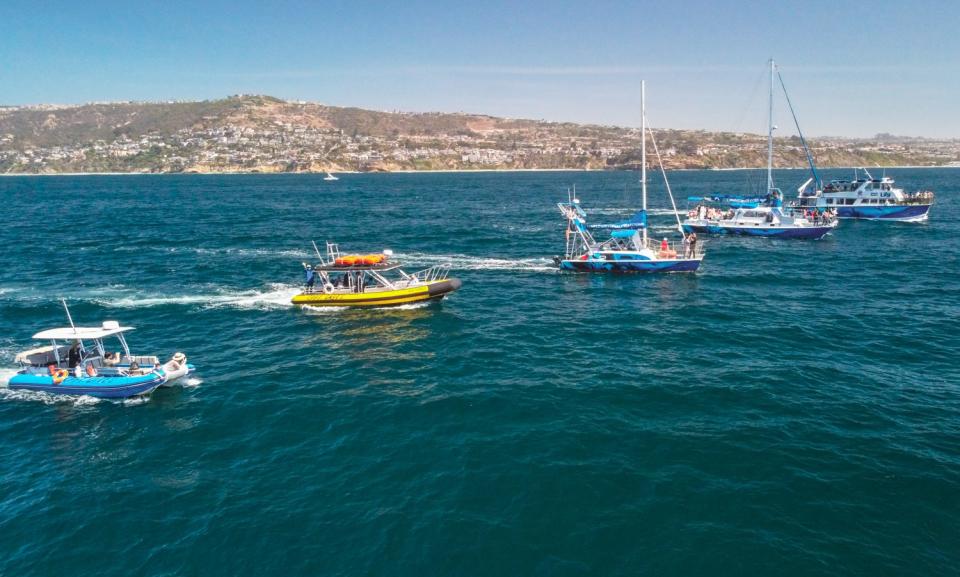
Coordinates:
675 249
434 273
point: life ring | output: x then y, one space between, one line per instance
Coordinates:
91 370
59 375
328 288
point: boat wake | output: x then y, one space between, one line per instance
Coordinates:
191 382
468 262
322 310
225 251
275 296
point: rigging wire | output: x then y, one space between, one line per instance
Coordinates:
666 181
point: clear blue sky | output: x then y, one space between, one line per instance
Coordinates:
853 68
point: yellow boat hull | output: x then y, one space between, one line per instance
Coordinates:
381 298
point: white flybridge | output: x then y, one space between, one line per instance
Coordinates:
630 248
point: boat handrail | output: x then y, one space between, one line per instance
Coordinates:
675 249
431 274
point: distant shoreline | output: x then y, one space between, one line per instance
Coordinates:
453 171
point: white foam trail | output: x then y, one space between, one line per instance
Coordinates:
5 375
47 398
250 252
278 296
192 382
322 310
409 307
468 262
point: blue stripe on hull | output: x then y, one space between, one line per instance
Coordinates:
103 388
907 212
814 232
627 266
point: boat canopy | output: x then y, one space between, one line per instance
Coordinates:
109 328
627 233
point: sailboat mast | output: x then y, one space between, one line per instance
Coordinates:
643 153
770 135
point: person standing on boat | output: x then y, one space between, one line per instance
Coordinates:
311 277
691 240
73 355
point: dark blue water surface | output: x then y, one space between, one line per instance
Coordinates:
793 409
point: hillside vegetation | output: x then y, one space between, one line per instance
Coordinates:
265 134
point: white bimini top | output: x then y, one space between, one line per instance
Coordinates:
83 333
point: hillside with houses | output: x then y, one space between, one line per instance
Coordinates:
261 134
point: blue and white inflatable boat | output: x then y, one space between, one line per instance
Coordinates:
77 362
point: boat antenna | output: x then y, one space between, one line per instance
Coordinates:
643 154
803 141
316 250
69 318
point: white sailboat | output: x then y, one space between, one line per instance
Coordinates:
629 249
769 219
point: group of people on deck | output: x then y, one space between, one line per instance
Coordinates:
689 247
704 212
817 217
352 280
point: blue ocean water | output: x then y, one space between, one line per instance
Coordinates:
793 409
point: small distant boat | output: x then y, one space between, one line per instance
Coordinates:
330 176
629 249
370 280
867 198
765 217
86 367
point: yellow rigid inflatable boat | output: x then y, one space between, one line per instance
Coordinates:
370 281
